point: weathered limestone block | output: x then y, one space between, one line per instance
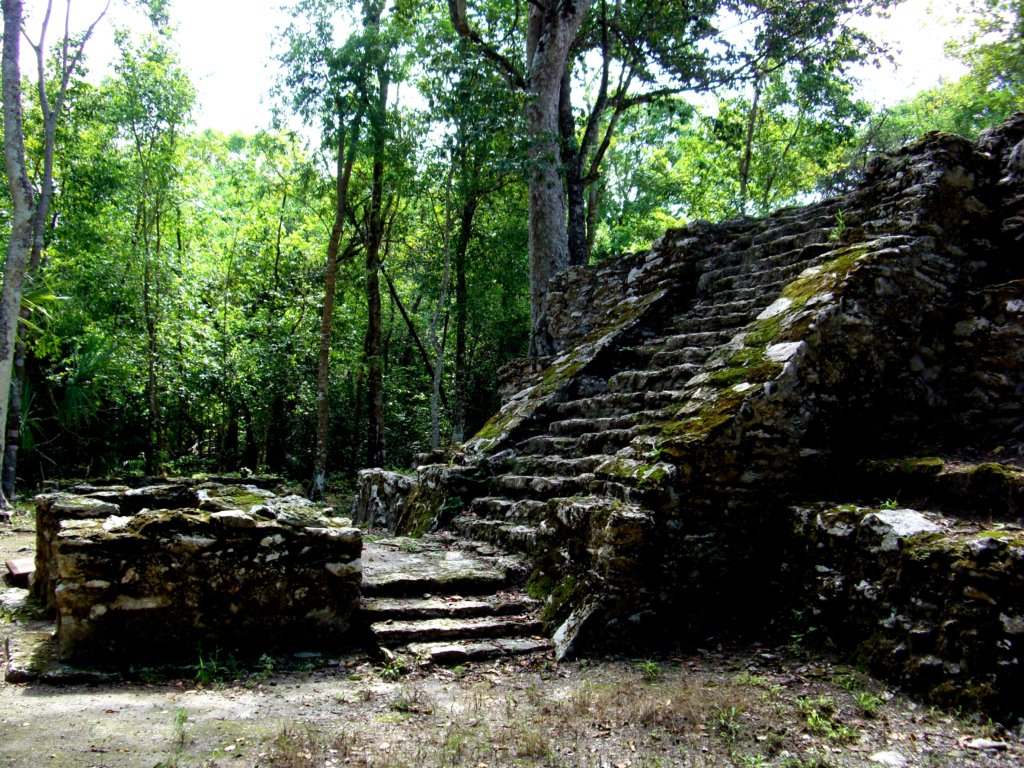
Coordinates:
163 496
51 510
380 498
439 492
161 584
987 491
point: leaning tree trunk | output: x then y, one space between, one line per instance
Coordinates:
23 212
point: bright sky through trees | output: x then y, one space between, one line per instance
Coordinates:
226 47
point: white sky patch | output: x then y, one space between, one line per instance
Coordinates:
225 46
916 32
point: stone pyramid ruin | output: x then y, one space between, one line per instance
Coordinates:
810 422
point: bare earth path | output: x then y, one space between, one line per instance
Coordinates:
750 707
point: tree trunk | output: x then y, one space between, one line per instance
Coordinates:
153 459
572 160
19 246
343 173
28 215
748 149
551 29
441 309
375 454
469 207
375 449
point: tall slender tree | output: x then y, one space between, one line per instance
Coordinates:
30 205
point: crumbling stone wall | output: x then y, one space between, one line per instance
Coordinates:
925 599
164 584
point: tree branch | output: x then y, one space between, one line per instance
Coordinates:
506 67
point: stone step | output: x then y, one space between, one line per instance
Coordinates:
759 254
678 356
563 466
493 507
760 295
619 403
451 654
499 508
394 572
702 339
575 427
537 487
752 276
607 441
390 634
671 377
598 441
381 609
639 356
510 536
714 322
548 445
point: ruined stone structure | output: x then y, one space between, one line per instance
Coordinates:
815 414
171 572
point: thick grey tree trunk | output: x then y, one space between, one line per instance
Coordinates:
552 27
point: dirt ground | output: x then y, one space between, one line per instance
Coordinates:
750 708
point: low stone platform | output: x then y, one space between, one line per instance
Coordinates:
242 571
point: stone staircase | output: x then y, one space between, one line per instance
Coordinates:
446 604
573 447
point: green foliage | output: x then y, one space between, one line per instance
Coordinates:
819 715
392 670
189 265
868 703
649 670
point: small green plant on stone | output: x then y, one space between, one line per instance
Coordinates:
847 682
814 760
804 629
180 721
297 748
836 233
266 666
208 669
890 504
179 740
649 670
748 679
